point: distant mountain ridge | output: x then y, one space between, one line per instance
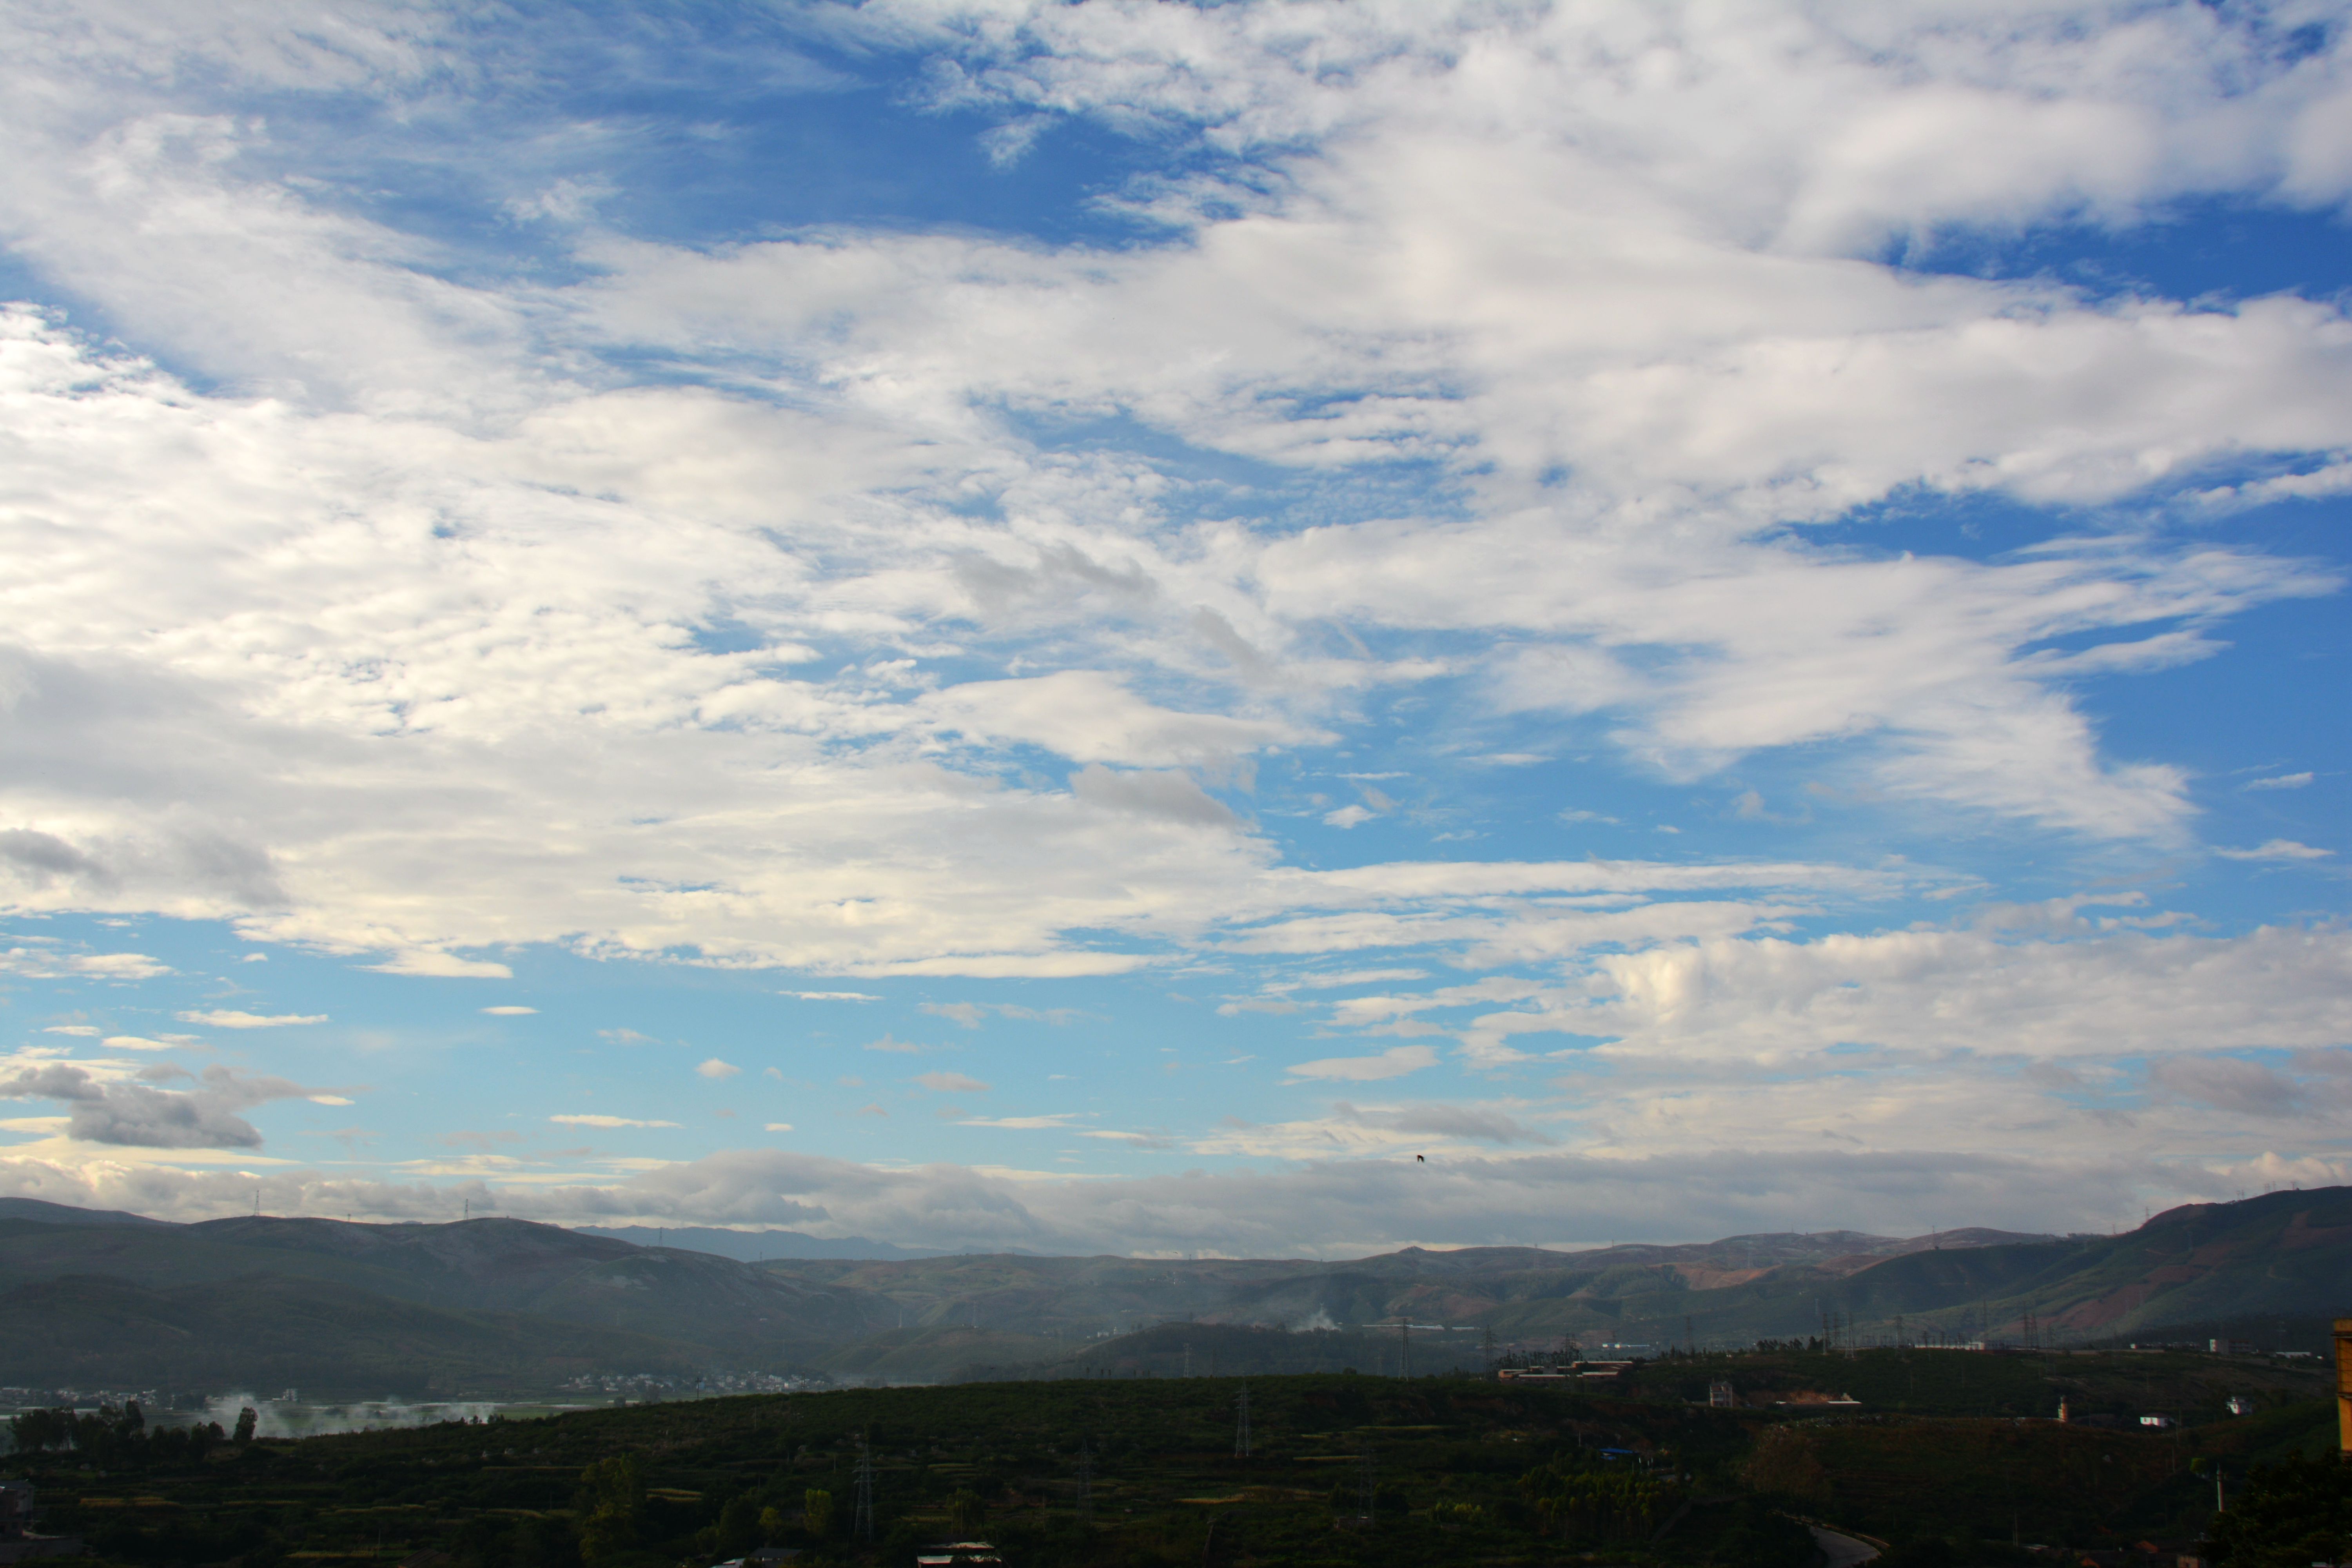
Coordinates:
42 1211
756 1246
507 1301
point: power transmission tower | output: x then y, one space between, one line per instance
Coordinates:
1086 1481
863 1529
1241 1426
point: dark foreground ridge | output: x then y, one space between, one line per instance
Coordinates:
1339 1468
501 1308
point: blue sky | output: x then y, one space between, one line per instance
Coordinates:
1087 627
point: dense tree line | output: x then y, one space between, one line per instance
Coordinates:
119 1438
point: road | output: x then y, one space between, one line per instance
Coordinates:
1841 1551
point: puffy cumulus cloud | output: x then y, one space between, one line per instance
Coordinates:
107 1109
1331 1207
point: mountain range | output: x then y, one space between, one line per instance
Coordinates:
501 1305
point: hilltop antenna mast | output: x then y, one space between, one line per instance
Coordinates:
863 1529
1241 1426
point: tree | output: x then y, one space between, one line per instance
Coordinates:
37 1429
612 1506
2287 1515
968 1512
245 1420
1785 1463
739 1525
817 1513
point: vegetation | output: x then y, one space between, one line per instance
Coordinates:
2289 1514
1108 1471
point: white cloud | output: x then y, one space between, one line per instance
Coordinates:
599 1120
2107 989
2276 849
383 634
233 1018
779 1127
715 1069
511 1012
1330 1207
140 1043
1488 246
71 1029
44 963
1394 1062
1169 795
443 965
951 1083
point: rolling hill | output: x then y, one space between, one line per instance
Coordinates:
269 1332
499 1266
513 1295
2284 1256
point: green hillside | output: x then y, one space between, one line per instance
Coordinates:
2270 1269
483 1265
268 1332
2243 1268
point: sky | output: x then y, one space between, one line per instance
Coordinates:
1180 629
